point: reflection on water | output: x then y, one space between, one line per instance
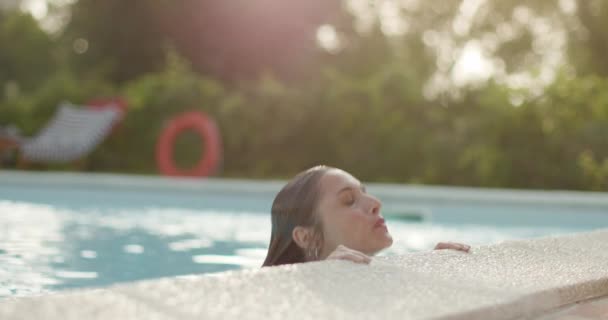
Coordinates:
190 244
28 238
88 254
46 248
133 248
75 274
223 259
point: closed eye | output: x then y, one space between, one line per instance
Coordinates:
348 198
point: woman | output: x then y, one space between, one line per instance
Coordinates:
325 213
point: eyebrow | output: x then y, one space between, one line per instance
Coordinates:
361 186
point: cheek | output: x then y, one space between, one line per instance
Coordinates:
347 227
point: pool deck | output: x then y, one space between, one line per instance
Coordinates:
586 310
554 278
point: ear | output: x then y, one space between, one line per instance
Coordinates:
302 236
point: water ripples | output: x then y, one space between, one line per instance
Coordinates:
45 248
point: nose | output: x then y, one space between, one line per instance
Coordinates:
375 205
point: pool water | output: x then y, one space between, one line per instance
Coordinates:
58 236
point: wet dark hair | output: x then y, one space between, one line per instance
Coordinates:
296 205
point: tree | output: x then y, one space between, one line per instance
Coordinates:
27 53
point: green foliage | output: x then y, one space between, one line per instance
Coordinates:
595 172
25 54
30 112
360 108
124 37
153 99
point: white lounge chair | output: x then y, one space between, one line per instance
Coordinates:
71 134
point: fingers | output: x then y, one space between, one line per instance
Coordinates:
345 253
354 258
453 246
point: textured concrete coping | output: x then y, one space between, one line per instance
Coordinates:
388 192
592 309
512 280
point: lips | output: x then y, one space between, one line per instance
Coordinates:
380 223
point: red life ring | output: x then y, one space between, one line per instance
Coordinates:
205 127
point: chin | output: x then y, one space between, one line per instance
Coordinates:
388 241
382 244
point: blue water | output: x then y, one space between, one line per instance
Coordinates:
62 237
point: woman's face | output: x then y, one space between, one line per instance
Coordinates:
350 216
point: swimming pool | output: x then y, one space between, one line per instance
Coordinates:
60 231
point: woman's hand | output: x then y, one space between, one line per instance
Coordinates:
345 253
453 246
